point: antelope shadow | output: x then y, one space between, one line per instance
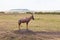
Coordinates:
24 31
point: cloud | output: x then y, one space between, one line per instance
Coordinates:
30 4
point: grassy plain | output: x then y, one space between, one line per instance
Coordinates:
44 27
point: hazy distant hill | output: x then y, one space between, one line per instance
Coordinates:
20 10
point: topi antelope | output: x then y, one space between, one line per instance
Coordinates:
25 20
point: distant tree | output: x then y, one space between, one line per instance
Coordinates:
28 12
2 12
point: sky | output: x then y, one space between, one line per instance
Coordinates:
37 5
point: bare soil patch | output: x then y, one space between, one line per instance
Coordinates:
29 35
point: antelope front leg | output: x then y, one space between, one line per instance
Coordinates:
19 26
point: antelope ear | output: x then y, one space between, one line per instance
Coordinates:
31 13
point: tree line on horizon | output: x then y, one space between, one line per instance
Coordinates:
2 12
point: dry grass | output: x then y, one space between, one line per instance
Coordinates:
44 27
